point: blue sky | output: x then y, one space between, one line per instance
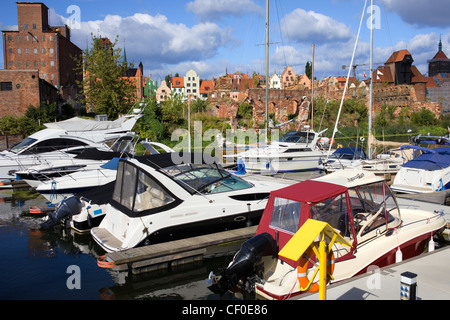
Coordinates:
212 36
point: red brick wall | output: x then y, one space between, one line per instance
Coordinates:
25 91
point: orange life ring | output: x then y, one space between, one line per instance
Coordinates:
303 268
36 210
102 263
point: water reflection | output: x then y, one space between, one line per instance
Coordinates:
33 254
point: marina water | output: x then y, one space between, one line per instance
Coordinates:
61 264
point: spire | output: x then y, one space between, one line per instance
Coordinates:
440 44
125 62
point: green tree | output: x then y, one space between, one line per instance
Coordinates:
308 69
104 87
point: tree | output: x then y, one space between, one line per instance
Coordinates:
308 69
104 87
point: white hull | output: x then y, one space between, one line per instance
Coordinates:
293 162
413 181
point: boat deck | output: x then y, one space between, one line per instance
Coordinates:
433 280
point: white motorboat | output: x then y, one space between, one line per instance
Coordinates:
295 151
359 205
426 173
168 197
343 158
61 141
86 174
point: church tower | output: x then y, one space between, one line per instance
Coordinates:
439 64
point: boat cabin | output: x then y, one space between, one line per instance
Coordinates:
359 213
299 137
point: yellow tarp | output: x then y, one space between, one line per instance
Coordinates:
306 235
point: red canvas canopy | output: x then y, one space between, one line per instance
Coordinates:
309 191
305 194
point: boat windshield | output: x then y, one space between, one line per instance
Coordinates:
374 209
298 137
205 179
22 145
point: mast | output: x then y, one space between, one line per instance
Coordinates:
267 70
312 89
369 147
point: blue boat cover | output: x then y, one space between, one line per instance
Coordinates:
356 153
111 164
432 159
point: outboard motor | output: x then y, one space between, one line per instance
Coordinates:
67 208
247 263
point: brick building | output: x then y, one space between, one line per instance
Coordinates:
38 46
22 88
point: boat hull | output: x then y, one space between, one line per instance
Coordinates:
292 163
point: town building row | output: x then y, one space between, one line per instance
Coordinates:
38 66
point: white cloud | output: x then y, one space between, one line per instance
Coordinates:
312 27
421 13
210 10
154 40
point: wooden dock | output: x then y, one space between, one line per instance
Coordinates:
173 253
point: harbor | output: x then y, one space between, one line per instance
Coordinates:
261 200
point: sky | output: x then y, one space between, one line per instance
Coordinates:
218 36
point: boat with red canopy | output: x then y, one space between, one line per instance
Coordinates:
357 204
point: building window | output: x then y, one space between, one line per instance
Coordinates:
44 75
11 63
50 38
19 51
19 63
27 50
27 38
25 26
27 63
17 38
51 50
9 38
35 50
43 50
52 63
10 51
34 26
53 76
36 64
43 38
6 86
44 63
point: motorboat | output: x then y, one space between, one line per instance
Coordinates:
381 229
170 196
295 151
342 158
86 173
425 173
88 159
62 141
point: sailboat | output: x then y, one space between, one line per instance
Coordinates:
295 151
386 163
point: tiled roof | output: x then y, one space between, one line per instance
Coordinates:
440 56
206 86
177 82
398 56
417 77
